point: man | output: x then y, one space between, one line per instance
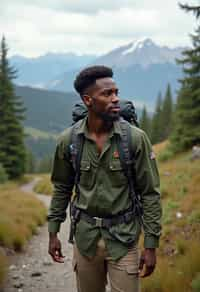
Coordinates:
103 192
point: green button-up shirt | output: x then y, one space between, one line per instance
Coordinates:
104 191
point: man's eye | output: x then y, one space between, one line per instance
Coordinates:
108 93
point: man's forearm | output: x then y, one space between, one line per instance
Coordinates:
58 206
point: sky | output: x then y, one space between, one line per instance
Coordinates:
36 27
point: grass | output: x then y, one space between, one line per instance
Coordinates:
44 186
179 253
175 273
196 283
20 214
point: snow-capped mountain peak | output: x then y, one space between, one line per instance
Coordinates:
138 44
143 52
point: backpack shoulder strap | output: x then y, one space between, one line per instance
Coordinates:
124 143
127 160
76 150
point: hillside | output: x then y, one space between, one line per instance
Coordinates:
48 111
179 255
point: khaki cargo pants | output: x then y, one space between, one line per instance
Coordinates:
91 274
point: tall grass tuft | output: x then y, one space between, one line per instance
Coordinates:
20 214
44 186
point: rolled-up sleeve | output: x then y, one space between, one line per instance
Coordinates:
148 186
62 177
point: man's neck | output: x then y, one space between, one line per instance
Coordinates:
97 126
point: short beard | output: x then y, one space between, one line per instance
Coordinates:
108 117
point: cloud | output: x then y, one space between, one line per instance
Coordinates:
34 29
77 6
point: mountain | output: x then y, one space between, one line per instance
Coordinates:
48 111
38 71
142 52
141 69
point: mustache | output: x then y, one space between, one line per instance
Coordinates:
114 107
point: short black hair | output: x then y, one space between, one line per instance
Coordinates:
88 77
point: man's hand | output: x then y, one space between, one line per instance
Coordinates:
147 262
55 248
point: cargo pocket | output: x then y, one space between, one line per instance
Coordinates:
116 173
86 175
132 269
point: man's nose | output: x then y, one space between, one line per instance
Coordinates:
115 98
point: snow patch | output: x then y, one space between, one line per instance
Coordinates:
139 44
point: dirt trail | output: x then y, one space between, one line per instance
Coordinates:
33 270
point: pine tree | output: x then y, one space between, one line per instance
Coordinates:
145 122
187 115
12 148
156 131
194 8
30 162
166 114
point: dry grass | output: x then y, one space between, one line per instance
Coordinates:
175 273
20 214
159 148
44 186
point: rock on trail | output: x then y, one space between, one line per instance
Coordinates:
33 270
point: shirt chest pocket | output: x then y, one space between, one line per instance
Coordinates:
116 172
86 174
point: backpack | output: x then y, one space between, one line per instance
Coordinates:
127 116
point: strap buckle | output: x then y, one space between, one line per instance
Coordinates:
98 221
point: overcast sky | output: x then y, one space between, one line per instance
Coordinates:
36 27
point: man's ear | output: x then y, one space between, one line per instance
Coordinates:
87 99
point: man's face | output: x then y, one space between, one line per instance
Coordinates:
104 100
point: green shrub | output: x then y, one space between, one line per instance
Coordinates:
181 246
3 174
165 155
196 283
194 217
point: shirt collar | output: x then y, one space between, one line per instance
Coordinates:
83 129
